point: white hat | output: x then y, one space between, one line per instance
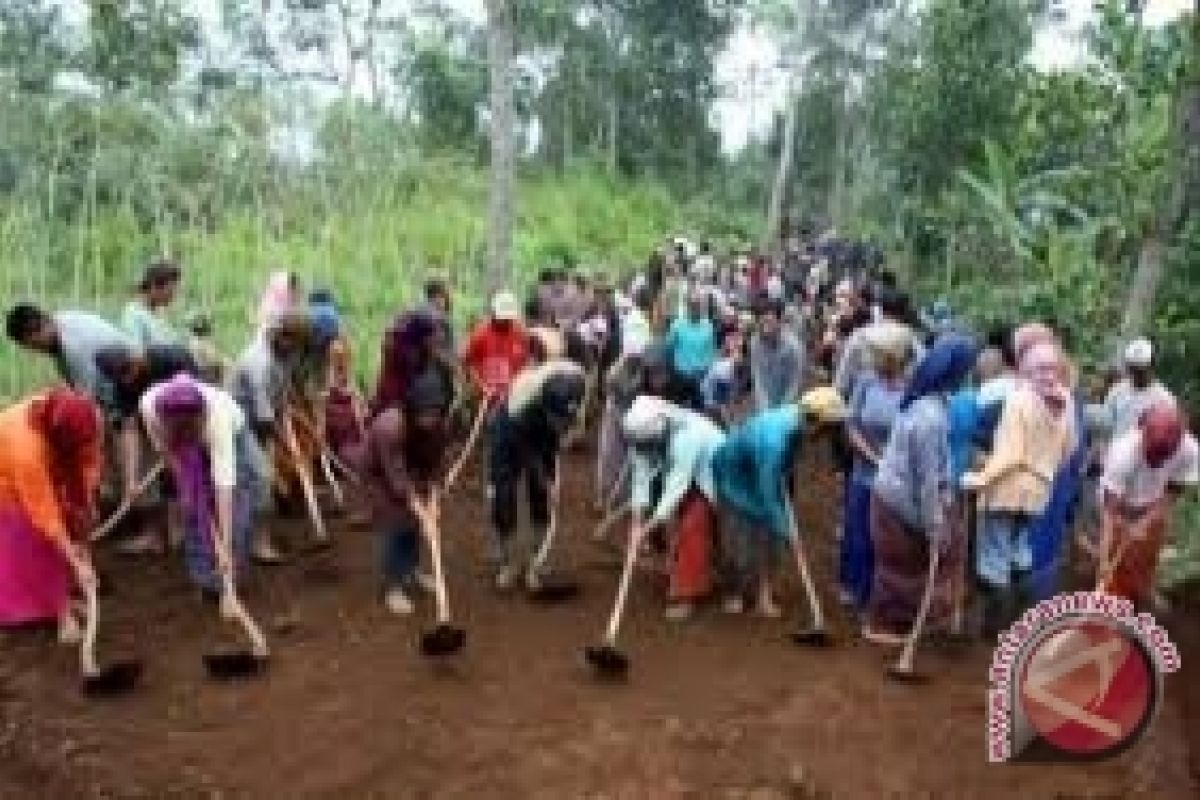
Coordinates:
506 306
646 418
1139 353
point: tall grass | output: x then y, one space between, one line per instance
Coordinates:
372 237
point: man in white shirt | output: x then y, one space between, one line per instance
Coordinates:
1140 389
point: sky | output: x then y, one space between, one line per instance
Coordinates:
753 85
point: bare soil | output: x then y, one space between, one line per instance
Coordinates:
716 707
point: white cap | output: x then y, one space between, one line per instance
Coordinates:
506 306
1139 353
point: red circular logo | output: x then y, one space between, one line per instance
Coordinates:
1087 686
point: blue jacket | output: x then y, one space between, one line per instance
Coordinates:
751 467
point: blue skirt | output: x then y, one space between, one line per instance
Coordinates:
198 552
857 553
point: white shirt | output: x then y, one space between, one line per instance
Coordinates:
222 421
1127 475
1124 405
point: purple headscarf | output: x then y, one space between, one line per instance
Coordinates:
180 400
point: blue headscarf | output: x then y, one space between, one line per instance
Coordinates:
327 322
944 368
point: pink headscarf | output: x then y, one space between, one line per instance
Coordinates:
1043 367
277 299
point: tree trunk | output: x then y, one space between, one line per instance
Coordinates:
500 205
783 171
1148 276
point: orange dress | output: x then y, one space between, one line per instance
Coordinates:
35 578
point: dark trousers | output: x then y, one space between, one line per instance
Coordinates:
514 456
400 553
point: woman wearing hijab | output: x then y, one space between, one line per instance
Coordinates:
677 445
1145 471
281 295
873 408
912 500
1036 434
50 460
207 445
752 470
401 467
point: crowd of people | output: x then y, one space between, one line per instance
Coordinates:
970 465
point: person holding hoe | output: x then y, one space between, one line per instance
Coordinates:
527 434
403 458
208 447
1147 469
50 463
916 530
676 445
753 470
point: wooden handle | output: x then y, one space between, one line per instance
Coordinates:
433 534
233 609
631 553
613 517
543 553
476 428
127 503
810 589
905 663
306 483
87 648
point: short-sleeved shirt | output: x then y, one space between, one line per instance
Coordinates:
1125 403
1136 483
81 336
146 327
222 422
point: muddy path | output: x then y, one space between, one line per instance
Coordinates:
716 707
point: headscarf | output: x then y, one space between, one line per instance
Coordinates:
646 421
943 369
277 299
1028 335
1043 368
1162 433
403 344
327 322
179 400
70 424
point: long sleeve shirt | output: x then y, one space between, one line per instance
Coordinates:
1030 445
258 383
688 460
751 465
776 369
25 477
1125 404
913 477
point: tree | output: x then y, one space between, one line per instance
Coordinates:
503 124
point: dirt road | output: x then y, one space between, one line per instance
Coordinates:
717 707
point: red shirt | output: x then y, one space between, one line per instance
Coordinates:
494 355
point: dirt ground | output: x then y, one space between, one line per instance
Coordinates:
717 707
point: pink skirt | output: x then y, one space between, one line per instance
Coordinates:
35 580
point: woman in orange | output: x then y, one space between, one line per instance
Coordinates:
50 457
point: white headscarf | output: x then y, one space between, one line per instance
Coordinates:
647 418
